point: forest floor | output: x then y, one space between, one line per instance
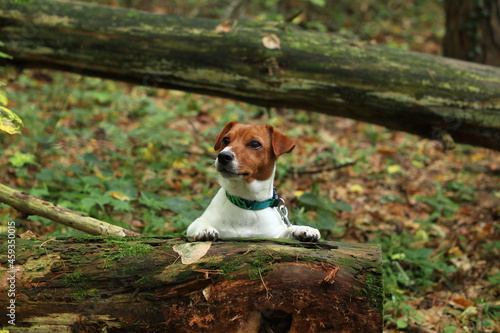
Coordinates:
142 158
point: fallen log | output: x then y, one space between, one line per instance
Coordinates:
96 284
261 63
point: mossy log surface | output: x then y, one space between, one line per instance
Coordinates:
101 284
431 96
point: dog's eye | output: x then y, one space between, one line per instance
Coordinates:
254 145
225 141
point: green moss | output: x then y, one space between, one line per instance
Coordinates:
260 265
145 280
126 250
73 279
231 266
78 284
287 257
374 290
81 294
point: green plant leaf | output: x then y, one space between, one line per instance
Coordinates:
401 323
5 55
341 206
318 203
319 3
9 121
19 159
310 200
178 204
3 98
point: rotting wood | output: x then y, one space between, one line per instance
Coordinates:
141 285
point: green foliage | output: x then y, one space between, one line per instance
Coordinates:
443 205
4 55
19 159
325 210
319 3
409 266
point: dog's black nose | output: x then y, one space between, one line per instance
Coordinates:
225 157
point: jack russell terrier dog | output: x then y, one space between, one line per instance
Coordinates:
246 205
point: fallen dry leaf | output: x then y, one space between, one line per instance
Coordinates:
192 252
120 196
271 42
222 28
207 292
463 302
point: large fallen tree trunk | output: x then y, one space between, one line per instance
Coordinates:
264 64
169 285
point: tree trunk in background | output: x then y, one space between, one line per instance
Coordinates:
473 31
262 63
98 284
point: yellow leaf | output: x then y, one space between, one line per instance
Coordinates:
298 193
120 196
9 121
150 152
398 256
393 168
356 189
455 252
180 163
476 157
102 177
3 97
422 235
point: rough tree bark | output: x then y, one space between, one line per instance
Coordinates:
473 31
169 285
261 63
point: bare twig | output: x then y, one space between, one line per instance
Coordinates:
304 171
268 294
32 205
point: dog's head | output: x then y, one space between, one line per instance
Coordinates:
249 152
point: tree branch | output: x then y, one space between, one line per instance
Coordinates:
32 205
418 93
306 171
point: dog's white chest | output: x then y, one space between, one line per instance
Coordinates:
232 221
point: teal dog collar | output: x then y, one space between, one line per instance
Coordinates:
252 204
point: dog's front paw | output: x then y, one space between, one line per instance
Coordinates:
206 234
306 234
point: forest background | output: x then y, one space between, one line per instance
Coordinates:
142 158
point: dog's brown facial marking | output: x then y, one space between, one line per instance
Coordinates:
250 151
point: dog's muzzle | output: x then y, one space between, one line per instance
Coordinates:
226 164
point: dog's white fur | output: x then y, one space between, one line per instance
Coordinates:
222 219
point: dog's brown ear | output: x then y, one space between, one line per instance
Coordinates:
222 134
281 143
